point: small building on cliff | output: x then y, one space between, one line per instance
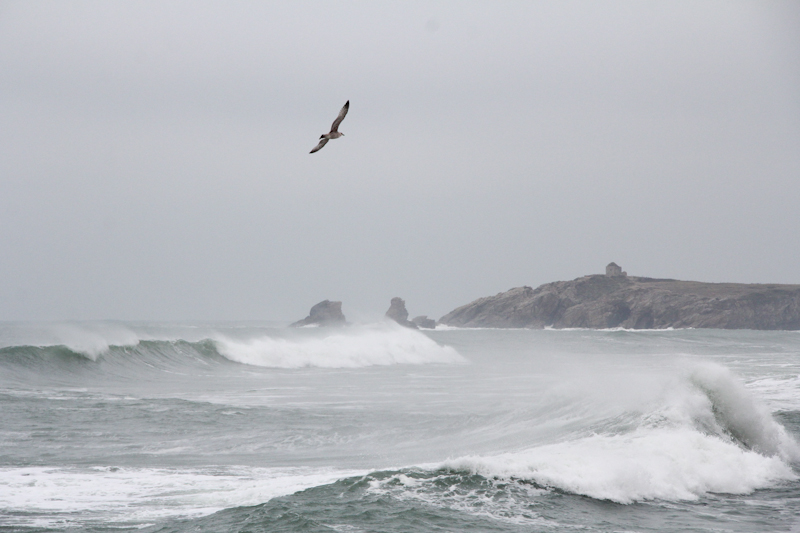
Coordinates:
613 269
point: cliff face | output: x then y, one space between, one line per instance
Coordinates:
600 301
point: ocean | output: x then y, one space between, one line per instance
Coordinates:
250 427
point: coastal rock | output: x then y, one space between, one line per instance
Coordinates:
616 300
423 322
325 313
397 312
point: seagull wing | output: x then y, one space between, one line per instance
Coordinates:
318 147
340 118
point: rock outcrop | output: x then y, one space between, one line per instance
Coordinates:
325 313
397 312
423 322
603 301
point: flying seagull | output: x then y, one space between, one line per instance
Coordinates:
334 133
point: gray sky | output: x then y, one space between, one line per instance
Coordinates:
154 155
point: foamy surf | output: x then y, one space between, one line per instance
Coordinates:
139 495
781 393
482 498
540 431
665 464
359 346
708 435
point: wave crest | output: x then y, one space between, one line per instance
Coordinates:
708 435
360 346
731 410
89 340
656 464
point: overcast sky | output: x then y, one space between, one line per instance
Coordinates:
154 155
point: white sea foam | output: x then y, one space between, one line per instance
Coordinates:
731 409
780 392
629 330
381 344
669 464
503 502
54 496
708 434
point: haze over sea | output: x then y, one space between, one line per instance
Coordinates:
154 165
257 427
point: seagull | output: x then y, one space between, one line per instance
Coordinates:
334 133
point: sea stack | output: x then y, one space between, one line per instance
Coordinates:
325 313
397 312
423 322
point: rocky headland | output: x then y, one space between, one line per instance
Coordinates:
618 300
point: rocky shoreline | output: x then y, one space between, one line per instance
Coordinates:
617 300
610 300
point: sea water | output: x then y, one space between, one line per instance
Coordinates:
258 427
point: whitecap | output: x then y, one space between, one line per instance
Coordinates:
703 433
380 344
665 463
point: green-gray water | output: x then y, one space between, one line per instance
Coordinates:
248 427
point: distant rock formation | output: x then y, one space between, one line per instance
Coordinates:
608 301
325 313
397 312
423 322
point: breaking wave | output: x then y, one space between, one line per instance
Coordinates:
709 435
120 352
383 344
